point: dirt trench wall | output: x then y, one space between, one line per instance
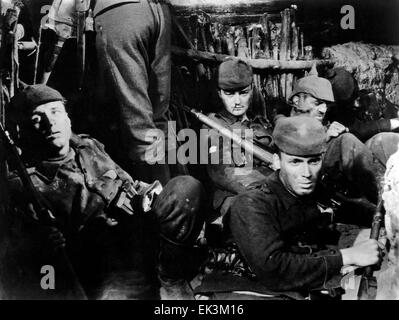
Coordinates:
369 63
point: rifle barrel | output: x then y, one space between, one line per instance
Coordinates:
37 55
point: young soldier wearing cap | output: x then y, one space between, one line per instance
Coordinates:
97 207
278 227
236 171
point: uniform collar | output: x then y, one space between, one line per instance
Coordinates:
245 119
48 169
229 118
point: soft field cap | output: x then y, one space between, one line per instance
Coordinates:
234 74
32 96
300 136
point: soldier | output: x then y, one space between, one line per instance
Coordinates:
236 171
133 41
347 162
278 227
99 209
377 135
344 110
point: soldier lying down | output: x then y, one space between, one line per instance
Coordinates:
98 212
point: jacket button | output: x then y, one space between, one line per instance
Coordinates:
332 251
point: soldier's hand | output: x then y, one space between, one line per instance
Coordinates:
336 129
364 254
53 237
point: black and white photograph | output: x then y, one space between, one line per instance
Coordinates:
218 151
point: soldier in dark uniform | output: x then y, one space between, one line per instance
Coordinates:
379 135
350 102
99 209
234 170
279 228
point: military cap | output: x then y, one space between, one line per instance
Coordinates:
300 136
32 96
234 74
344 85
319 88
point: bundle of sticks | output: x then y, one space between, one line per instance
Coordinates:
270 38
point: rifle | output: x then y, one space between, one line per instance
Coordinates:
42 213
368 282
37 54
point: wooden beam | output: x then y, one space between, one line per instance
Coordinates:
260 64
233 6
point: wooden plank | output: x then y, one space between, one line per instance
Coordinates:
233 6
255 63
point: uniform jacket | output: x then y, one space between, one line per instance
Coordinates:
285 239
78 187
236 170
364 130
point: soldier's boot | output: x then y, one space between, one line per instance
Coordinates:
175 289
172 272
180 211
